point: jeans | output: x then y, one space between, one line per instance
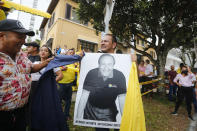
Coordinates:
187 93
13 120
172 91
104 129
65 92
194 100
142 79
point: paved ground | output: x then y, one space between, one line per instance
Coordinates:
193 124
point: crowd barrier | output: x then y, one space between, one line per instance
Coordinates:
74 88
149 82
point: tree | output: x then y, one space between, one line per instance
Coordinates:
38 41
162 24
187 54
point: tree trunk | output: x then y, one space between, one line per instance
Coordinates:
161 61
195 48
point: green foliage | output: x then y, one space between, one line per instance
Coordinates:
38 41
168 23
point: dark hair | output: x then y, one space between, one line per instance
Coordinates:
105 55
113 38
49 50
72 49
141 61
182 65
147 61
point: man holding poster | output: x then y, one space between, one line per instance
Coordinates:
104 89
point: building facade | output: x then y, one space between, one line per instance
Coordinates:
64 29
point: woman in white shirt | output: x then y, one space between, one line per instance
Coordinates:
45 53
185 82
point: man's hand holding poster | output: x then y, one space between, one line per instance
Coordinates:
102 90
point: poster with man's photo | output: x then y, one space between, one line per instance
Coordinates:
102 89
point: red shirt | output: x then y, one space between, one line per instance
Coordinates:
15 81
172 75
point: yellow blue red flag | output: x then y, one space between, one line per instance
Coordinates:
133 115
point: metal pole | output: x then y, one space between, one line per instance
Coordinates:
19 11
109 10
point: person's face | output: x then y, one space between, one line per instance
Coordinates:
172 68
142 63
31 49
12 42
44 53
107 46
106 66
184 69
70 52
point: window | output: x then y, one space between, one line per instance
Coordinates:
142 43
51 21
42 34
71 14
87 46
74 16
68 11
49 42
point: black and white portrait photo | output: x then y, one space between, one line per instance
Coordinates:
102 90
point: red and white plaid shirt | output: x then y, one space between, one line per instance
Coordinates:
15 81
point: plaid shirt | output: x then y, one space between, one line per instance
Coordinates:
15 81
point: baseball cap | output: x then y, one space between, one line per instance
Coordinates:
34 44
14 26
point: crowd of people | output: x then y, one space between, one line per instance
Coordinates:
181 84
146 73
20 74
34 83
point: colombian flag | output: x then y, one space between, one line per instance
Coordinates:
133 115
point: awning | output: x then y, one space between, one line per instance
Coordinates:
9 4
88 39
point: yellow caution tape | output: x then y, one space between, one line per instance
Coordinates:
149 82
9 4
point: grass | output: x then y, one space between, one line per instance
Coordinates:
158 118
157 114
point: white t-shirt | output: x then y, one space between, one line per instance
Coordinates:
63 51
36 76
185 81
149 69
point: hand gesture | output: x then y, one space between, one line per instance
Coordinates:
1 3
49 59
46 62
81 53
133 58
